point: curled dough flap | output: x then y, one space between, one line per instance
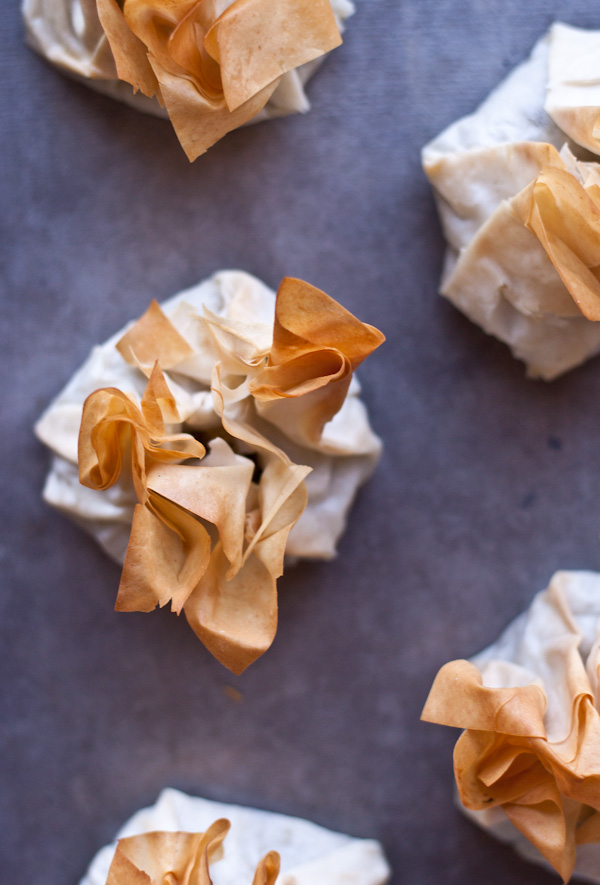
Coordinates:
565 217
178 858
317 345
112 425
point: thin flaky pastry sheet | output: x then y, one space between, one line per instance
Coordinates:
192 74
309 853
267 383
521 223
527 765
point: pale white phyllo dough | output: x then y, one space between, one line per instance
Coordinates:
309 854
520 209
573 91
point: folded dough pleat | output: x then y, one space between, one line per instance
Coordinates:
235 618
565 218
292 33
153 338
164 858
130 54
317 345
167 555
233 610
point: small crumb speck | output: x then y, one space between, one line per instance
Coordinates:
233 694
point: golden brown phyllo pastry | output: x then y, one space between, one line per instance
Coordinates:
166 858
531 746
213 516
214 64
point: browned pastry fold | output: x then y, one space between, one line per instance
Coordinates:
564 214
212 65
166 858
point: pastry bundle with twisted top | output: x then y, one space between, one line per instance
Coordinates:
530 707
238 424
520 206
213 65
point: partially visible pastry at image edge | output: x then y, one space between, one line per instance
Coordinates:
527 764
210 66
518 195
185 840
211 440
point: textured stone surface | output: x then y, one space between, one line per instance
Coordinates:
489 482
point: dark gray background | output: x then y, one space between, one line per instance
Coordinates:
488 483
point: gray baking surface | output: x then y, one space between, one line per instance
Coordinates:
488 484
